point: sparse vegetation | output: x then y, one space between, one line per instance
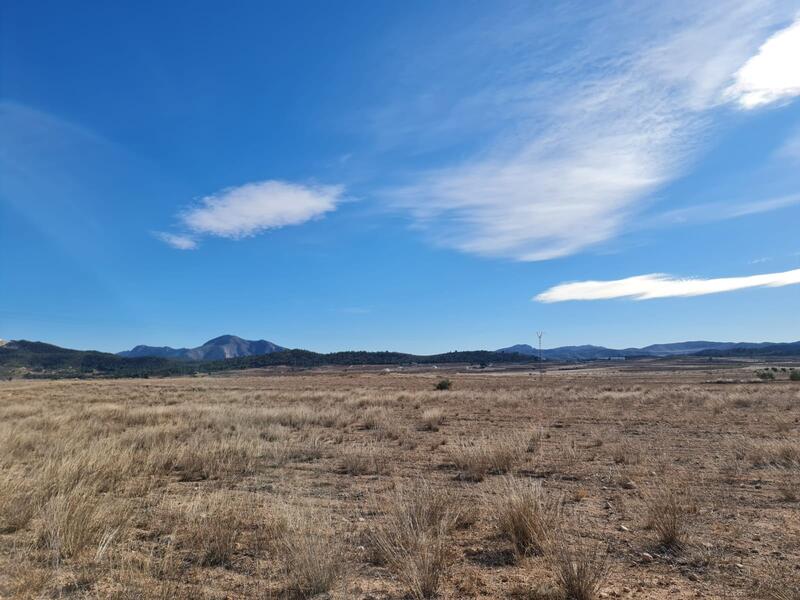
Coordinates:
525 516
474 459
414 539
306 484
443 385
669 510
432 419
579 566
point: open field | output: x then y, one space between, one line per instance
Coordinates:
606 482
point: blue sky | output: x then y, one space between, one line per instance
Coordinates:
417 176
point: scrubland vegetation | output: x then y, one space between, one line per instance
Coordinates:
378 486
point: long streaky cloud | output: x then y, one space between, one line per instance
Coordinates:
659 285
577 147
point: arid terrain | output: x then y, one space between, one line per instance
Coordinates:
612 482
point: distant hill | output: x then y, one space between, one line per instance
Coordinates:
703 348
37 359
220 348
782 349
24 357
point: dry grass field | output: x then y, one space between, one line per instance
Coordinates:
368 485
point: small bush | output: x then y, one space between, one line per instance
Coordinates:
443 384
765 375
794 375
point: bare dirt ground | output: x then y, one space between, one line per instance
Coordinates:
608 482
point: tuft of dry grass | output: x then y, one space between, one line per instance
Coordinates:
73 521
432 419
365 459
312 557
777 582
524 515
211 528
17 502
475 459
579 567
782 453
375 417
414 540
669 512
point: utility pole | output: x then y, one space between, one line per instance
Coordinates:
539 334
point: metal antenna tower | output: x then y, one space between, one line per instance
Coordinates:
539 334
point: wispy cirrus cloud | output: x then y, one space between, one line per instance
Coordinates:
586 140
180 242
772 74
659 285
720 211
252 208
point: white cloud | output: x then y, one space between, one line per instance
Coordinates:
585 141
771 75
181 242
719 211
252 208
249 209
658 285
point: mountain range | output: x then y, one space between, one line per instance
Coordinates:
220 348
696 348
21 358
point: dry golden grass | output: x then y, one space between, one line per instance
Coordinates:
476 458
524 515
414 539
311 554
669 512
279 486
432 419
579 566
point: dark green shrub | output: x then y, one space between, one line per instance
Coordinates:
794 375
443 384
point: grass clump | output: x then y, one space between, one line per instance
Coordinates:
525 516
212 528
414 540
475 459
669 510
312 559
432 419
365 459
579 567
